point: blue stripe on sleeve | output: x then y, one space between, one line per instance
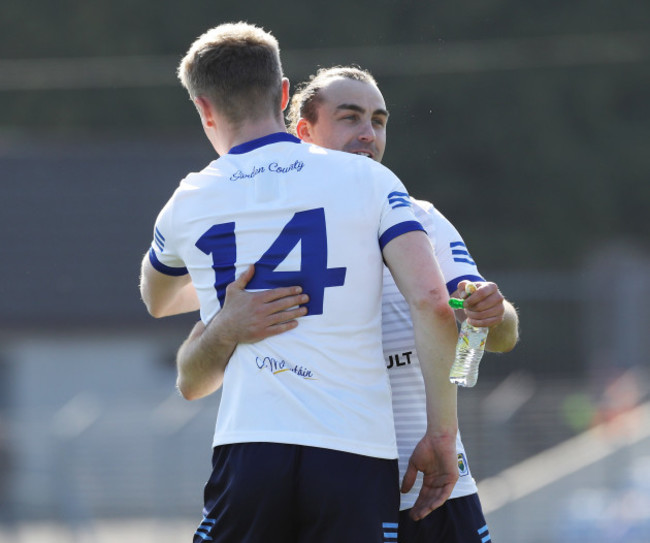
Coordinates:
399 199
398 194
162 268
159 239
398 230
452 286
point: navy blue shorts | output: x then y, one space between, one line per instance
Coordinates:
267 492
459 520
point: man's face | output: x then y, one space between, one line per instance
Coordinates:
351 117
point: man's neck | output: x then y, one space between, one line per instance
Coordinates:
253 130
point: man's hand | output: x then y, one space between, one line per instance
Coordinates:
436 457
248 317
485 307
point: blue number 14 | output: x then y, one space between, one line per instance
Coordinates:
305 227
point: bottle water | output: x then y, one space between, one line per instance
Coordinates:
469 349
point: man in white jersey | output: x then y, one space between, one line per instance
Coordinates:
304 446
342 108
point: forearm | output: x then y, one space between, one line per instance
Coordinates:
201 361
419 279
246 317
435 339
503 337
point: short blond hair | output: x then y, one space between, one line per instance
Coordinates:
237 67
305 101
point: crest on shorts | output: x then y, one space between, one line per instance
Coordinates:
463 468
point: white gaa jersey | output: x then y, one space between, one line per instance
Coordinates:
406 381
305 216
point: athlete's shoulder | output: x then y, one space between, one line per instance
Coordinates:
425 212
451 251
197 179
428 212
423 205
343 157
422 208
368 175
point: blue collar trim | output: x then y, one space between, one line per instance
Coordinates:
261 142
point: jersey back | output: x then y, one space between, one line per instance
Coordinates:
304 216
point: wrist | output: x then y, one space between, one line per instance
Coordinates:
442 434
221 333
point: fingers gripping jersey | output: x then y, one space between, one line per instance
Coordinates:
304 216
406 380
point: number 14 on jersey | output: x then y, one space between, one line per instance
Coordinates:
307 228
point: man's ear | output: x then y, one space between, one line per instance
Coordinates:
303 130
285 93
205 110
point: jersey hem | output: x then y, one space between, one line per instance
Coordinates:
387 453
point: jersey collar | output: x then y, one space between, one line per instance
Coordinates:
261 142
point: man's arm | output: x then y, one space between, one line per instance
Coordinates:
411 260
166 295
487 307
246 317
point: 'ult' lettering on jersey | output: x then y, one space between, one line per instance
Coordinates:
394 359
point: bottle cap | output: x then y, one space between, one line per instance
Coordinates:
456 303
470 288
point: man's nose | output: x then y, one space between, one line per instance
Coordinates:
367 132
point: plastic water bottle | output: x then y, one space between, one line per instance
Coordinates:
469 349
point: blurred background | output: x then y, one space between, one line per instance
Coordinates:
527 124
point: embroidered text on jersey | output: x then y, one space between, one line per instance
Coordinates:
280 366
273 167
